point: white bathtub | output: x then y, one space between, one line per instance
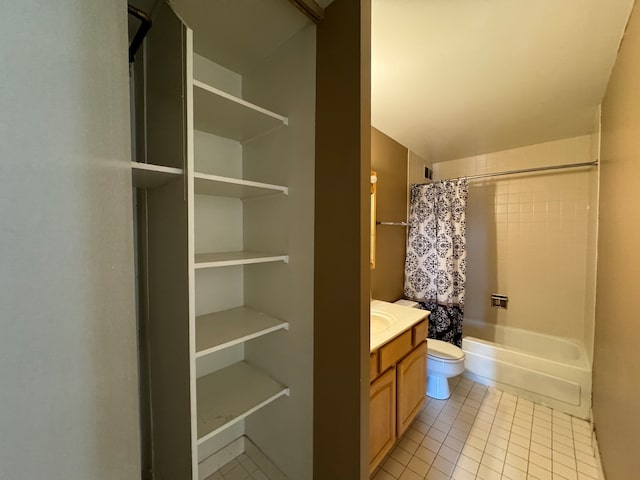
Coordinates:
542 368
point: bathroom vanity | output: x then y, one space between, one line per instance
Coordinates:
398 367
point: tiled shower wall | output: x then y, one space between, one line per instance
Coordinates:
532 237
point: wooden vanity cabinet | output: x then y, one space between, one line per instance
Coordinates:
398 372
373 366
382 417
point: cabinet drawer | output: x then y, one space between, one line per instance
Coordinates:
395 350
373 366
420 332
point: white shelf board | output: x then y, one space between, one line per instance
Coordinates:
148 175
206 184
229 395
220 330
211 260
225 115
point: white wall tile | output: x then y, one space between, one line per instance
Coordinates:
532 237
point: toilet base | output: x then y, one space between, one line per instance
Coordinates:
438 387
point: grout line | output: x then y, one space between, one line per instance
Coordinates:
460 415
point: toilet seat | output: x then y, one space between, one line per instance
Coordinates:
444 351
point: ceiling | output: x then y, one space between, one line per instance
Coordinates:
454 78
221 37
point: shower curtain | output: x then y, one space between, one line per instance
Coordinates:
436 261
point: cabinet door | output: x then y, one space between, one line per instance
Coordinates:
382 417
412 382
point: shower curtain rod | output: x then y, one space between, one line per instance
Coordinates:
499 174
527 170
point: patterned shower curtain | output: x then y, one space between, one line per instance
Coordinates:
436 262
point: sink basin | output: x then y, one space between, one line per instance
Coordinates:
380 321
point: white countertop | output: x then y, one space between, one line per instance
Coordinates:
405 318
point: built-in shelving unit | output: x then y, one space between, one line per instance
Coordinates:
230 395
147 175
226 395
217 331
218 100
225 115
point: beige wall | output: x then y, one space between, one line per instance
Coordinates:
528 236
616 381
389 161
341 239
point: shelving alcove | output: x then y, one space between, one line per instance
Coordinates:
218 275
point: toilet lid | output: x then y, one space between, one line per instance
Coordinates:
443 350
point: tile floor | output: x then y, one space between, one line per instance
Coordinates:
240 468
479 433
482 433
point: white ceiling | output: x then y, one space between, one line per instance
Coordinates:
454 78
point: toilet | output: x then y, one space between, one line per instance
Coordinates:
444 360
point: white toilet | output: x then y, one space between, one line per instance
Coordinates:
444 360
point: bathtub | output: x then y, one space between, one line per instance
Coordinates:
545 369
